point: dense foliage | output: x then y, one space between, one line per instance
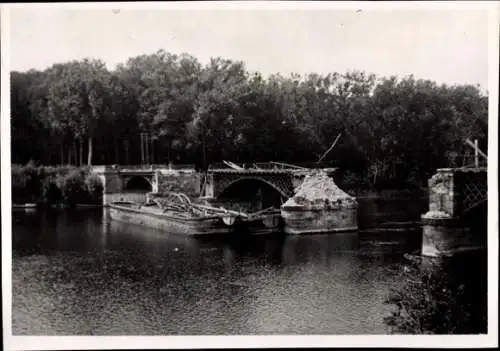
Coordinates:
163 108
62 185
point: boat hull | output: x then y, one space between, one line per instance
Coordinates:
265 224
168 222
192 226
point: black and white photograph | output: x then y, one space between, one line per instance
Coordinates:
250 173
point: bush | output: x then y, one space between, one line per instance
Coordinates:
94 189
73 188
19 181
26 183
439 298
53 185
52 193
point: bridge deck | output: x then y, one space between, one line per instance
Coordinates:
150 169
464 169
267 171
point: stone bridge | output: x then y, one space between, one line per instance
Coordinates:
457 200
132 183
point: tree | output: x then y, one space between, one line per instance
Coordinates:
59 106
166 107
217 108
79 100
124 107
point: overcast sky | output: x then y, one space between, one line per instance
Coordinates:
445 46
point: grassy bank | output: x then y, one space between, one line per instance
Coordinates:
60 185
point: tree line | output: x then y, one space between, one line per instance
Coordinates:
163 108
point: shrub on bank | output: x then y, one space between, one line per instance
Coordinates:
18 184
443 297
73 188
50 185
94 188
26 185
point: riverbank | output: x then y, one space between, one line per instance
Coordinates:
60 186
31 206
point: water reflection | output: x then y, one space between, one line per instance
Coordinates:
373 213
79 273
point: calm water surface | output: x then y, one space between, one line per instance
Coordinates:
77 273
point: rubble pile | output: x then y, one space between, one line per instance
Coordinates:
319 190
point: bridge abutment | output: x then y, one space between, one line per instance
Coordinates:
112 183
115 179
452 193
300 220
319 206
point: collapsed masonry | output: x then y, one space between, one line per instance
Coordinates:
318 190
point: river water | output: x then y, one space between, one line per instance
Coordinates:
78 273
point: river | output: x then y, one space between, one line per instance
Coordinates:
78 273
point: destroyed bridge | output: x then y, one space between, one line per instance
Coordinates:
132 183
284 178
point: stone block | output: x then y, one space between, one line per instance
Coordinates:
445 237
441 192
113 183
302 220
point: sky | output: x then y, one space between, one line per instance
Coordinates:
447 46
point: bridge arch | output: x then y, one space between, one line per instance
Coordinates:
138 183
242 180
252 194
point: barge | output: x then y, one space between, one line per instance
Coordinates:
186 218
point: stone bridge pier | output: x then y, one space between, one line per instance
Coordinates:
126 184
457 204
134 183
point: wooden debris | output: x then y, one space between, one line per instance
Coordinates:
330 149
